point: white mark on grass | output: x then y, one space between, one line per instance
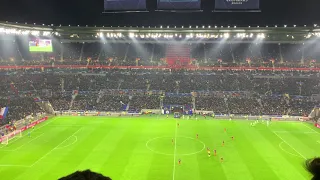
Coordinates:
280 146
54 148
171 154
24 143
310 128
290 146
12 165
175 151
301 132
15 138
74 141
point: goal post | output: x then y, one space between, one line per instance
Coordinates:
15 134
177 115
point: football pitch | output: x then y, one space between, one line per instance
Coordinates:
141 148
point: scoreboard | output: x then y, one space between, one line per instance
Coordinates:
125 5
237 5
179 4
172 5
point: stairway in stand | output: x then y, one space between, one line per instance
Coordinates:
178 54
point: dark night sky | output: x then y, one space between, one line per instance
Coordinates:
88 12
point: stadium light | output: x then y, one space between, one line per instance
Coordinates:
161 27
294 25
203 27
226 35
285 26
209 26
131 35
261 36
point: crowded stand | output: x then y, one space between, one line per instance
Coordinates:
153 54
224 92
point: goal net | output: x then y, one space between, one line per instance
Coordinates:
315 114
6 138
177 115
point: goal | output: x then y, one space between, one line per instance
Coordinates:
15 134
177 115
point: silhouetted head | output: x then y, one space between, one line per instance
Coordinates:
313 166
85 175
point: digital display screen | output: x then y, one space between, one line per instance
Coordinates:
179 4
237 4
125 5
40 45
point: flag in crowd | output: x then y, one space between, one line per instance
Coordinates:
3 112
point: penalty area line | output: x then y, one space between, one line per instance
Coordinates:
290 146
56 147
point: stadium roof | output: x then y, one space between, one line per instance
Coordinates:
77 33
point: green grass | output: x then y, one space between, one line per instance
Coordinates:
40 49
129 148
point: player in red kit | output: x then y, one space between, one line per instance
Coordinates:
179 161
225 130
172 141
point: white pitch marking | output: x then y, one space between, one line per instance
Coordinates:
12 165
54 148
290 146
167 154
76 139
175 150
16 138
294 132
310 128
287 151
24 143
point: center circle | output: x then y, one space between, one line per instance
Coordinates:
185 146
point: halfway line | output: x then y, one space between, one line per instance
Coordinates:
175 151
